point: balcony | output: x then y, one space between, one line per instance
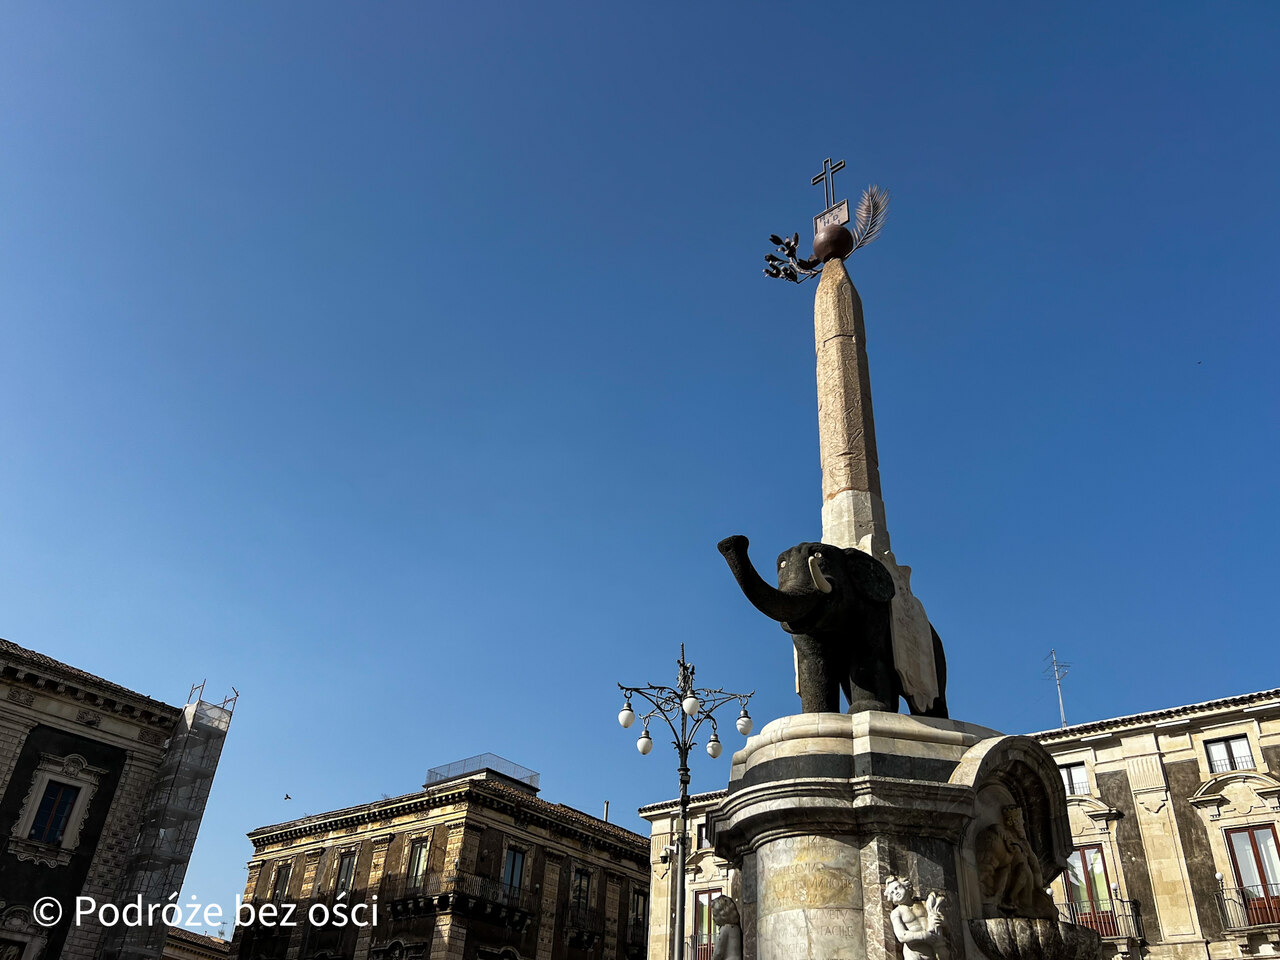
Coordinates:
469 894
1224 764
1114 919
583 926
1252 906
637 940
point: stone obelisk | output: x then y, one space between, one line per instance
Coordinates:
852 507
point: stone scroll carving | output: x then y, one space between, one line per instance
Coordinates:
1009 871
919 925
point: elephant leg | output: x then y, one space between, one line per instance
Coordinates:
872 687
818 677
873 681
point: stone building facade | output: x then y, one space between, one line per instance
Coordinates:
1174 817
80 764
476 866
1175 824
708 876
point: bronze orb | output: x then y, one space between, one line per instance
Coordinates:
833 242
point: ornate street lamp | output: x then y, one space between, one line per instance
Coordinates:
692 707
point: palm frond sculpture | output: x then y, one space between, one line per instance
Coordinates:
869 221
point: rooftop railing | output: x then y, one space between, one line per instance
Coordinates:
483 761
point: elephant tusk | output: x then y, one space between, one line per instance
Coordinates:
819 580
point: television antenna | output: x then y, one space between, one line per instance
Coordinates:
1057 669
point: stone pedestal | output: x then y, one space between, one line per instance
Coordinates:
824 807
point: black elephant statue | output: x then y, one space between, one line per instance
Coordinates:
837 605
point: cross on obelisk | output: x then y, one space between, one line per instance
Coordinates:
828 179
852 508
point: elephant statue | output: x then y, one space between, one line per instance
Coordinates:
836 604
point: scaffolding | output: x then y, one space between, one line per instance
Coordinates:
170 821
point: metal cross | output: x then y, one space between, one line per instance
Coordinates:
828 174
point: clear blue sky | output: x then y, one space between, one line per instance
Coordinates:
402 364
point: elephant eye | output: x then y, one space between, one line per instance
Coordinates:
818 555
781 564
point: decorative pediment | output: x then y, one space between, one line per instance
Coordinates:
1238 792
1093 808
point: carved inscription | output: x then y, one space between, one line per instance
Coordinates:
810 900
829 933
807 885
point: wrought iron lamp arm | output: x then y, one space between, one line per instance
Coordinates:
667 704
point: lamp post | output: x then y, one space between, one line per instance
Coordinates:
691 707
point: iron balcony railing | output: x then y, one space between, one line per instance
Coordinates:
492 891
1230 763
1251 906
637 933
469 885
1114 918
579 917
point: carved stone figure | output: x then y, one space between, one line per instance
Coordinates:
729 940
918 924
835 603
1009 871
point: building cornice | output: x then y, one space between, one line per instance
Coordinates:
664 806
199 943
32 672
520 805
1261 700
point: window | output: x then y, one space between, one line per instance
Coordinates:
1087 883
47 828
513 870
417 874
53 812
1075 779
1231 753
638 926
639 909
581 892
346 872
703 841
1256 863
1089 890
280 888
704 925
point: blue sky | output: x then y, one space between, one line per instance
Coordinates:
402 364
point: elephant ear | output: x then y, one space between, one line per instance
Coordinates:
868 576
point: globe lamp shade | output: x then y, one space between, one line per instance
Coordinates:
645 743
714 747
691 705
626 716
744 723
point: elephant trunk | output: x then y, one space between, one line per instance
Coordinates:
773 603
